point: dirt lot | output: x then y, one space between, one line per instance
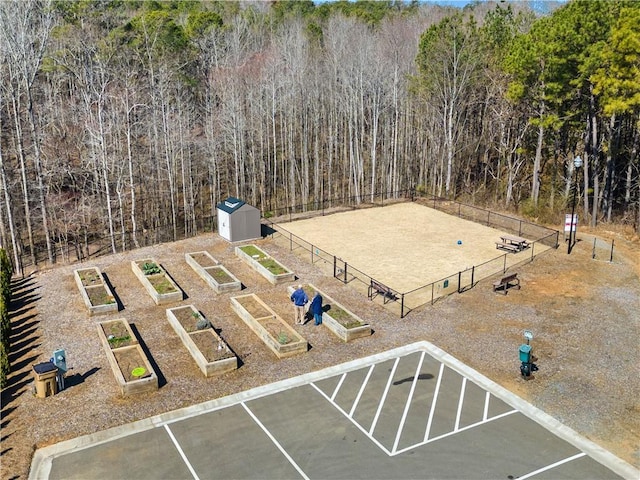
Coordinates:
408 245
583 313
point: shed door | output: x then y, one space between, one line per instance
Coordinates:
224 225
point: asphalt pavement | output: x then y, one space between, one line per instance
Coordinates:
412 412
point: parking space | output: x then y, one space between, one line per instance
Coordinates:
413 412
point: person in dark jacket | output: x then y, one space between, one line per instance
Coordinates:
299 299
316 308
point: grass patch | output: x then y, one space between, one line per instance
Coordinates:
219 275
253 252
162 285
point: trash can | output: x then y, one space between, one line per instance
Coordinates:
45 378
525 353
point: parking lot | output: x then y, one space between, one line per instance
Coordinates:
411 412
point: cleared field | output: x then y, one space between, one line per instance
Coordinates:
405 245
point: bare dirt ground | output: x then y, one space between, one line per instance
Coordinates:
583 313
407 244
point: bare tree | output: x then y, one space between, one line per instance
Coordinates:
25 27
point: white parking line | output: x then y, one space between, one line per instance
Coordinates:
553 465
407 405
433 404
356 424
485 412
335 392
362 387
460 403
384 396
275 442
184 457
440 437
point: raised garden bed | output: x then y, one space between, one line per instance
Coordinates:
156 281
97 295
210 352
264 264
345 324
277 334
129 364
215 274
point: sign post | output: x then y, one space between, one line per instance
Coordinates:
573 218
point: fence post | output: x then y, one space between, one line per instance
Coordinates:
611 256
290 242
334 266
345 272
459 280
402 306
473 274
311 254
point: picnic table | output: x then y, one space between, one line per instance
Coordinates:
512 242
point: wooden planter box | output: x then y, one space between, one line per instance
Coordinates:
345 324
277 334
265 264
211 353
125 354
95 292
160 285
215 274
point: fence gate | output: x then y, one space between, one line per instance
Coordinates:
466 279
340 268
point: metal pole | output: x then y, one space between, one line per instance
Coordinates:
577 163
573 212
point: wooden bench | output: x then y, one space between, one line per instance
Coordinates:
505 282
377 288
508 246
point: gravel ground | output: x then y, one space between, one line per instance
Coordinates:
583 313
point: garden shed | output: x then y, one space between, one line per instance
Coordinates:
238 221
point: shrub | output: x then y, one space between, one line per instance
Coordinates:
5 322
202 324
150 268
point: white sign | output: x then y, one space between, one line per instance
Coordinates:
570 226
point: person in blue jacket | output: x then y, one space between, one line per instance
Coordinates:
299 299
316 308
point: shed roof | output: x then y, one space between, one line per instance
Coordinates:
230 205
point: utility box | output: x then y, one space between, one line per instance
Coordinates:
60 360
525 353
45 375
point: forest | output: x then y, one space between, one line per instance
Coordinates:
123 117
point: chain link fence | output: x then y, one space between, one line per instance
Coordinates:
404 302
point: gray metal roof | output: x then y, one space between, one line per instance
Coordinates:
230 205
